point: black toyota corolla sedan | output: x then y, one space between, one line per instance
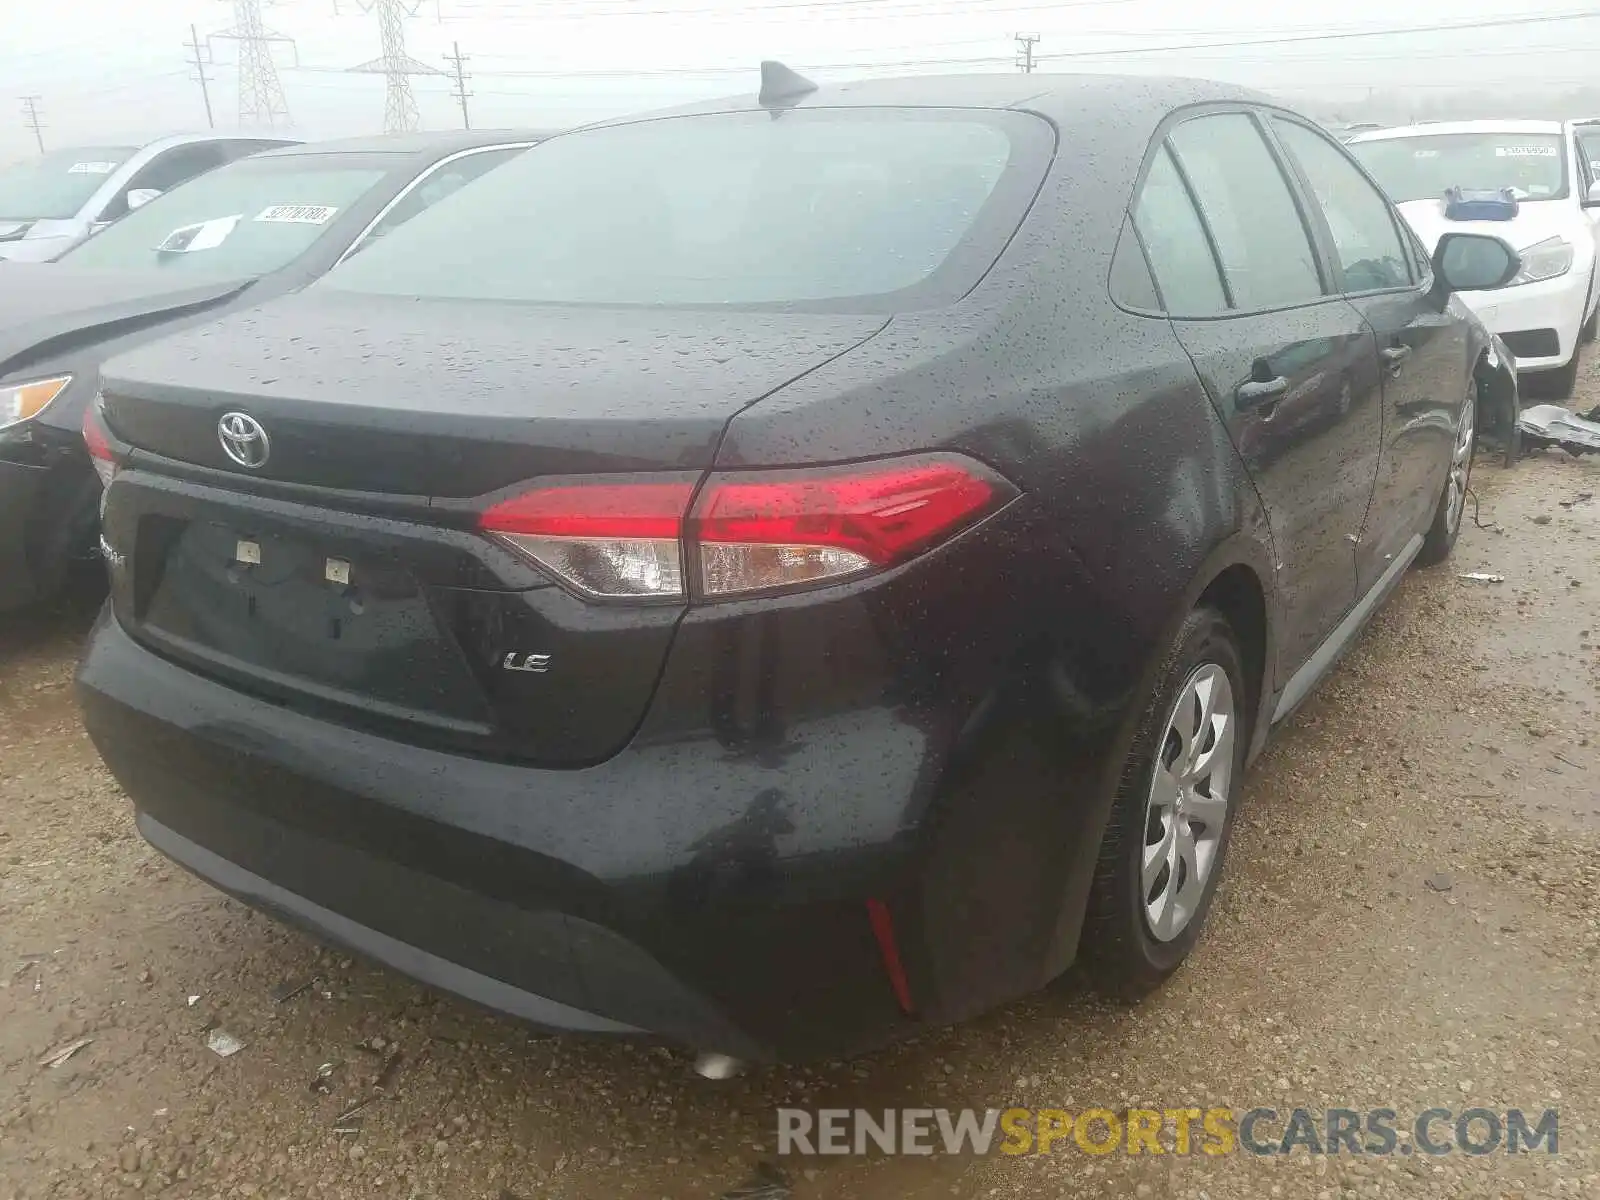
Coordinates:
236 236
790 571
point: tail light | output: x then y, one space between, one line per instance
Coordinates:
98 440
749 532
607 539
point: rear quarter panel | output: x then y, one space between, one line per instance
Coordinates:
1033 657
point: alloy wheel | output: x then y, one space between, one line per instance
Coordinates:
1187 809
1461 463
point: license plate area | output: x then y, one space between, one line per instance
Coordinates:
293 613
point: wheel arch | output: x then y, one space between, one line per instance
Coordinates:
1238 577
1236 592
1499 402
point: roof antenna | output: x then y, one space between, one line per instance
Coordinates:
780 86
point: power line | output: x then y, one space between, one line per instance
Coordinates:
30 116
459 62
200 74
1332 36
394 64
261 99
801 10
1025 44
1369 56
991 40
996 60
142 81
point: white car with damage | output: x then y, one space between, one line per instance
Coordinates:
1550 307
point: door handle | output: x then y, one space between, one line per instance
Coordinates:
1255 393
1395 356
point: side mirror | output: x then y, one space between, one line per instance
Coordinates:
1592 200
139 197
1474 262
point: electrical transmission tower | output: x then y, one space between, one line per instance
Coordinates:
1025 44
261 102
30 113
394 64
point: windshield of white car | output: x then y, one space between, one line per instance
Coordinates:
237 222
1425 166
55 186
828 208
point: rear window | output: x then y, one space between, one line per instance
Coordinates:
811 207
55 186
237 222
1425 166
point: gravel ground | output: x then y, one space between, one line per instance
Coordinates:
1412 919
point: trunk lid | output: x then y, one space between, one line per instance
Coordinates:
425 398
344 576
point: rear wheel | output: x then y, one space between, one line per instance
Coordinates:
1446 527
1168 834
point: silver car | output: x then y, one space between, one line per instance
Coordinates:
51 203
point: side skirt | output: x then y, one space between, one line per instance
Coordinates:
1337 642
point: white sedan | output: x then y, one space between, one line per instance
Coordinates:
1550 307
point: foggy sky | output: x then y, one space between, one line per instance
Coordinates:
111 70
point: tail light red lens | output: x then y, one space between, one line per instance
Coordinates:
99 445
750 532
763 532
611 540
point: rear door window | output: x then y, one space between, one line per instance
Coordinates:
1131 283
1364 231
1176 239
1266 251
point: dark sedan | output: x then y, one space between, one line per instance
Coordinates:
235 237
788 572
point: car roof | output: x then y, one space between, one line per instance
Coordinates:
1066 98
429 145
1433 128
187 139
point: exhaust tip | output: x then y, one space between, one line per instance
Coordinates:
718 1066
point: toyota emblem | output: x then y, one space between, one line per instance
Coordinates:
243 440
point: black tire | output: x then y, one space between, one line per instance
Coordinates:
1559 383
1441 537
1590 327
72 539
1121 953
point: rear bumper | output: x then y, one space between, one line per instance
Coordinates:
450 869
658 892
332 927
20 489
1533 315
716 882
